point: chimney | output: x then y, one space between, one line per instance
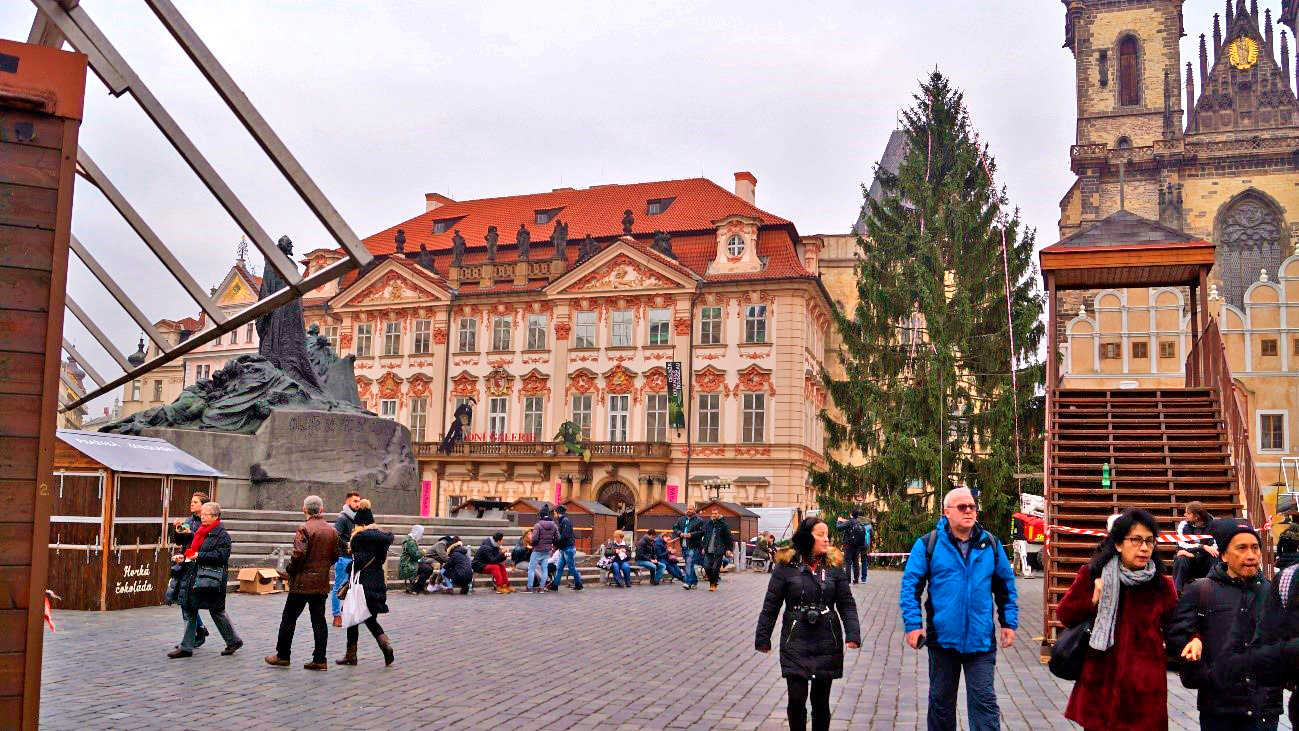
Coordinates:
435 200
746 186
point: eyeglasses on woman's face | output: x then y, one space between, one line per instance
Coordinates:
1138 541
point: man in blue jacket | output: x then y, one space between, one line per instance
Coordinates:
967 573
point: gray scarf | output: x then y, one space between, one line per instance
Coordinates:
1114 574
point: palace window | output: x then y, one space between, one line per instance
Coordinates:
392 338
466 423
537 331
497 407
364 337
1296 346
755 324
659 323
1271 431
441 226
1168 349
1105 68
584 332
157 390
656 206
468 342
1268 346
202 371
418 418
501 329
582 413
754 413
735 246
248 332
656 417
423 337
1109 350
330 332
710 418
618 410
1140 349
135 390
620 329
455 501
234 337
546 216
710 325
533 414
1129 78
388 408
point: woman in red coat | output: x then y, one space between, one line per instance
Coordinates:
1125 591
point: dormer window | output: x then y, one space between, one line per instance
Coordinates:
735 246
1123 143
656 206
546 215
442 225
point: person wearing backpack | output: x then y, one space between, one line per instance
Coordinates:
968 577
1219 615
854 546
566 543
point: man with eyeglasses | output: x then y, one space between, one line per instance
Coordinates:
968 577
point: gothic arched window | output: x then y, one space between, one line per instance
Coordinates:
1129 79
1250 237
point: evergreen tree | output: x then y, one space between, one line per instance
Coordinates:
926 397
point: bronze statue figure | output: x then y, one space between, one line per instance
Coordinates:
280 331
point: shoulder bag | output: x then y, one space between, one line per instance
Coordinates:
1070 651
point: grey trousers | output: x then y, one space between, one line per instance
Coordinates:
219 619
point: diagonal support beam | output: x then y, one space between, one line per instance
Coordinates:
103 338
91 172
85 364
118 294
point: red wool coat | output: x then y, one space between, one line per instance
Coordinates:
1126 687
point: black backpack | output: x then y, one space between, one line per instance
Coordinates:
857 535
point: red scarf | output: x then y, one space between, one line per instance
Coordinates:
196 542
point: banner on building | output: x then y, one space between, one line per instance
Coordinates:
425 498
559 493
676 407
672 491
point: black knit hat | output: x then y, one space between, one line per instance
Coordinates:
364 516
1224 529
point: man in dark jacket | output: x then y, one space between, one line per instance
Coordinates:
717 544
182 532
664 556
1218 616
1274 659
567 545
854 546
490 559
691 530
315 549
343 526
647 559
203 569
459 569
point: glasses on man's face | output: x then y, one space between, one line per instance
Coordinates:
1138 541
965 508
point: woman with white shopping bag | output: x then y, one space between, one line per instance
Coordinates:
367 591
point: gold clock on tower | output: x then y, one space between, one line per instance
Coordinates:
1243 53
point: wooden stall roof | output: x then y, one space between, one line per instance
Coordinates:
478 503
1126 250
589 506
731 508
663 507
529 506
141 455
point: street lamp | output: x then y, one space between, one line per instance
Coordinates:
715 485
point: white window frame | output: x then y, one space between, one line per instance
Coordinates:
135 389
619 416
234 337
620 329
537 327
418 418
710 328
708 419
660 326
467 335
422 342
157 389
364 340
249 331
331 334
753 417
534 416
392 338
388 408
656 417
502 327
468 426
582 416
584 330
498 415
755 324
1285 429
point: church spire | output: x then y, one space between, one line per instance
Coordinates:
1190 92
1285 59
1267 28
1204 62
1217 41
1231 13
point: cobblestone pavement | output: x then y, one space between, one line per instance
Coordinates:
641 658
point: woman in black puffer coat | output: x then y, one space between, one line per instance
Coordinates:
369 549
820 615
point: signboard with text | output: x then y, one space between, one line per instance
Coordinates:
676 404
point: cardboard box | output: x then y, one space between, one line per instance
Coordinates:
259 581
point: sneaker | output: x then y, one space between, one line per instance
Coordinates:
179 653
338 620
686 587
712 587
320 666
234 647
276 661
577 588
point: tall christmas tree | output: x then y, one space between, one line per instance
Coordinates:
939 385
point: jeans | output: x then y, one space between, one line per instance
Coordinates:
1186 570
568 560
945 668
850 558
674 570
537 568
654 566
713 568
293 606
798 696
865 561
219 618
693 558
1229 722
340 577
621 571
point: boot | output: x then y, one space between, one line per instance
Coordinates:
349 657
386 648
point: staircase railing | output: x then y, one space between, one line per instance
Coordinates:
1206 367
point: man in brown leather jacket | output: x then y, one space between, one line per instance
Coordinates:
315 549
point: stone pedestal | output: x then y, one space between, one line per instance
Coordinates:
299 453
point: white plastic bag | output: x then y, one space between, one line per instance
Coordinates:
355 610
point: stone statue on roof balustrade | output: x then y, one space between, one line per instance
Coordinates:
457 249
492 237
559 239
663 243
628 221
524 240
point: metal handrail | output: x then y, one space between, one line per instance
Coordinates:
646 450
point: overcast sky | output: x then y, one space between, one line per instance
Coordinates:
383 102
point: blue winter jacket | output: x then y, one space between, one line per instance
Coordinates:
958 609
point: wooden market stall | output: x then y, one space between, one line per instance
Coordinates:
527 510
593 523
113 497
743 522
660 516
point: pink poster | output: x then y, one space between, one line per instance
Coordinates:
425 498
672 493
559 493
